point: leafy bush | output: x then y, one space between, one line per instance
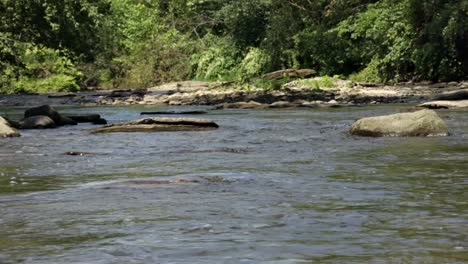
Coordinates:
217 61
383 40
319 82
326 52
440 46
43 70
254 63
165 59
369 74
271 84
136 43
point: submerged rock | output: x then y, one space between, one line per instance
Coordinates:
160 125
445 104
420 123
37 122
6 130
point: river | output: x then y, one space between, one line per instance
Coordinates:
269 186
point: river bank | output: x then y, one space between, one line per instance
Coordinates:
297 93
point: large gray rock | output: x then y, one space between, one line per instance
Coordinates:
420 123
47 110
6 130
445 104
37 122
159 125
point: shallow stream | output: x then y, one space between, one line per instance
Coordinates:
269 186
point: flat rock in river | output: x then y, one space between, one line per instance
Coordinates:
445 104
160 125
421 123
6 130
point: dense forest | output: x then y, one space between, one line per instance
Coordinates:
48 45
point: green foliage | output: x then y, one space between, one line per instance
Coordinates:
369 74
134 43
326 52
143 50
38 39
254 63
319 82
271 84
245 21
43 70
70 25
223 62
383 40
169 60
440 47
217 61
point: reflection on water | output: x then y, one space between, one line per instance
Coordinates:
272 186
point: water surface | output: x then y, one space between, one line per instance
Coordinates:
269 186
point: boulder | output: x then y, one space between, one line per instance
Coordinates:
420 123
445 104
160 125
37 122
6 130
47 110
453 95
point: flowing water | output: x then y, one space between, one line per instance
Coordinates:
269 186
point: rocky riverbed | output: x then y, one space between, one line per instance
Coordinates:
293 94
